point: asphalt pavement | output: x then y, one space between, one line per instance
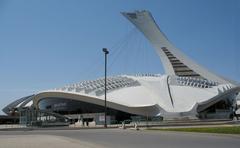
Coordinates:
119 138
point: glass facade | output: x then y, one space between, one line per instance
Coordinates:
68 106
220 110
32 117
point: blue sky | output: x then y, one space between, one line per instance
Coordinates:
50 43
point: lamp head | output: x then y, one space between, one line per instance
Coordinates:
105 50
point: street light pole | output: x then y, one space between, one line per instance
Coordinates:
106 52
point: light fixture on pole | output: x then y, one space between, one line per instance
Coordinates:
106 52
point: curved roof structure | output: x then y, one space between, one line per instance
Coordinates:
20 103
186 89
148 94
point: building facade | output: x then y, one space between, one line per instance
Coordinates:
186 90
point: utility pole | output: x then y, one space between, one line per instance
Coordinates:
106 52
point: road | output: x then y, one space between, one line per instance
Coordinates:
119 138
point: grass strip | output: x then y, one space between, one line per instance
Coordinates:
220 130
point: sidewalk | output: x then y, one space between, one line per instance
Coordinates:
8 126
42 141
